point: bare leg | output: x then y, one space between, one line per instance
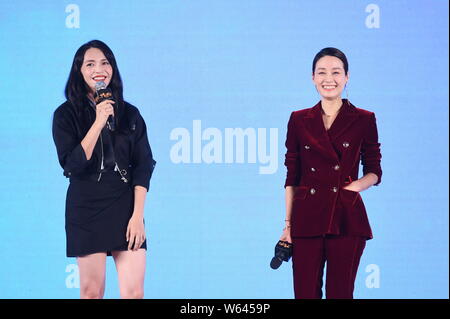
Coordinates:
130 267
92 269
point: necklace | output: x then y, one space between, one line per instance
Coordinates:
329 115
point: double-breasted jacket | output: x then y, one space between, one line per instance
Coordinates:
321 162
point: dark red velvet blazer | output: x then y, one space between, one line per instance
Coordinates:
320 163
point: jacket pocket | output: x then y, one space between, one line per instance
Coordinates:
300 192
350 197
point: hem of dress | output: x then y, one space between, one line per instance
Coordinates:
108 252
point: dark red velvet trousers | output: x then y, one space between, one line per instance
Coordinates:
341 255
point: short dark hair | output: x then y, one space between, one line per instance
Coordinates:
331 52
76 88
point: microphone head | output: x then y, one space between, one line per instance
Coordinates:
275 263
100 85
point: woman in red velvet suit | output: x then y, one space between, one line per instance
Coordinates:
325 215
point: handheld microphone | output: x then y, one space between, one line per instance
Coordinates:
102 92
283 252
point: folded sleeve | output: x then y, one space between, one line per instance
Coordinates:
71 155
370 150
292 157
142 157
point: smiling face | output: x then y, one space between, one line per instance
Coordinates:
329 77
95 68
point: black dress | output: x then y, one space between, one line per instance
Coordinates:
100 196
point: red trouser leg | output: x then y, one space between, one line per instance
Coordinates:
343 254
308 260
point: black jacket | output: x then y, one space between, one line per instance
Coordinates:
130 147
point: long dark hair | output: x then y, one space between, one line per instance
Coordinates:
331 52
76 88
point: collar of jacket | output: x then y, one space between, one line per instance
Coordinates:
314 124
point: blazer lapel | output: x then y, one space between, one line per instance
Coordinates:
346 117
323 138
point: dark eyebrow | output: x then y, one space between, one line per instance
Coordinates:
335 68
94 60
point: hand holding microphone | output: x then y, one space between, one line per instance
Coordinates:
104 110
104 105
283 252
283 249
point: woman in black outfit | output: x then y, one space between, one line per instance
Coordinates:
109 170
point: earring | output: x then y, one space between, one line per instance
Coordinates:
346 91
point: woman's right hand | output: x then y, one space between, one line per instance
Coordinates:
286 236
103 111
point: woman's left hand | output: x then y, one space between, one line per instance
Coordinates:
135 233
363 183
353 186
